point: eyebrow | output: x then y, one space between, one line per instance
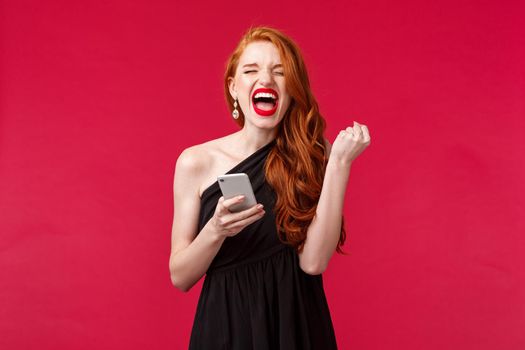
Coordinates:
256 65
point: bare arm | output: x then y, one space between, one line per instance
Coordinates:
325 228
192 254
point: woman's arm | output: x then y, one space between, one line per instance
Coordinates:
191 256
325 228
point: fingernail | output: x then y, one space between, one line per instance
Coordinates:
259 206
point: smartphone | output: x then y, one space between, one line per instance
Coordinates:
237 184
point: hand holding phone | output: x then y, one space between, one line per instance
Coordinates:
233 185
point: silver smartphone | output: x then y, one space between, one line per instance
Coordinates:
233 185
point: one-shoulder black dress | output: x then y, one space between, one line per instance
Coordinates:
255 295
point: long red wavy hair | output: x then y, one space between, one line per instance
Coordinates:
295 167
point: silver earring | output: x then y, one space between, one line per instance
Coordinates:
235 112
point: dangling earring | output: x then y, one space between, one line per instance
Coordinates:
235 112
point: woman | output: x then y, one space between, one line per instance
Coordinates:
263 287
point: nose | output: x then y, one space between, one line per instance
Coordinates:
265 77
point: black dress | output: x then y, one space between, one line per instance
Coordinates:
255 295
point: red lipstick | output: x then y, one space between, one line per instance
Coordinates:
262 112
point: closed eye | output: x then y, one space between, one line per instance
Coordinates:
251 71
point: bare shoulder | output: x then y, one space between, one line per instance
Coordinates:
192 160
196 159
203 162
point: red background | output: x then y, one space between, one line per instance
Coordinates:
98 99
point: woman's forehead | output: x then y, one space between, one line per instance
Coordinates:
260 52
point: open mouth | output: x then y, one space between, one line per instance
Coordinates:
265 102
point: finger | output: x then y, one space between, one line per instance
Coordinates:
233 219
248 220
248 212
357 130
227 203
366 133
220 203
343 134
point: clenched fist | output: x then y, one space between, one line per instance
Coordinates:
350 143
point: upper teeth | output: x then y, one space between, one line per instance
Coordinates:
265 94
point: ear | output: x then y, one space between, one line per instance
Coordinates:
231 86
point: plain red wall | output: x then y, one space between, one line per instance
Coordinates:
98 99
